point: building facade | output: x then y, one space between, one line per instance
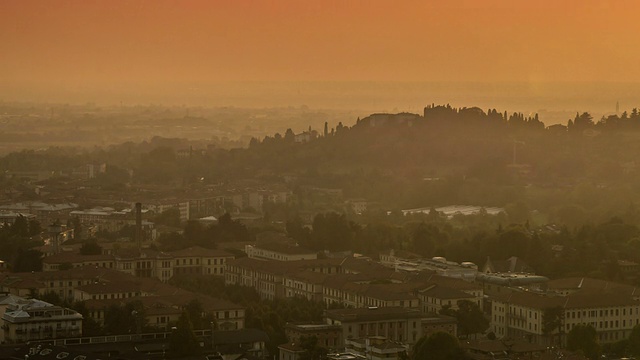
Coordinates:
30 319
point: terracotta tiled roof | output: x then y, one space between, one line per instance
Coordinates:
571 301
62 258
311 277
373 314
197 251
442 292
587 284
283 248
110 287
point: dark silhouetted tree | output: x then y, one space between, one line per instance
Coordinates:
438 346
583 338
183 341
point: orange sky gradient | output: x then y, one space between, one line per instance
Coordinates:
90 43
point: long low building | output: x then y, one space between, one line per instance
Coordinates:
147 263
268 276
100 288
351 282
612 309
393 323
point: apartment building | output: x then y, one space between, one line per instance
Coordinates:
393 323
45 213
67 259
198 260
435 297
304 284
147 263
160 206
267 276
101 288
108 290
329 336
357 291
62 282
348 283
31 319
612 312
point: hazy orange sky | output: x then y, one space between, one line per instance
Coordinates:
89 43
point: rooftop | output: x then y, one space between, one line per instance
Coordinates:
373 314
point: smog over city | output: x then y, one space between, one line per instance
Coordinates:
319 180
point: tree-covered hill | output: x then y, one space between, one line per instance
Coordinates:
444 156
